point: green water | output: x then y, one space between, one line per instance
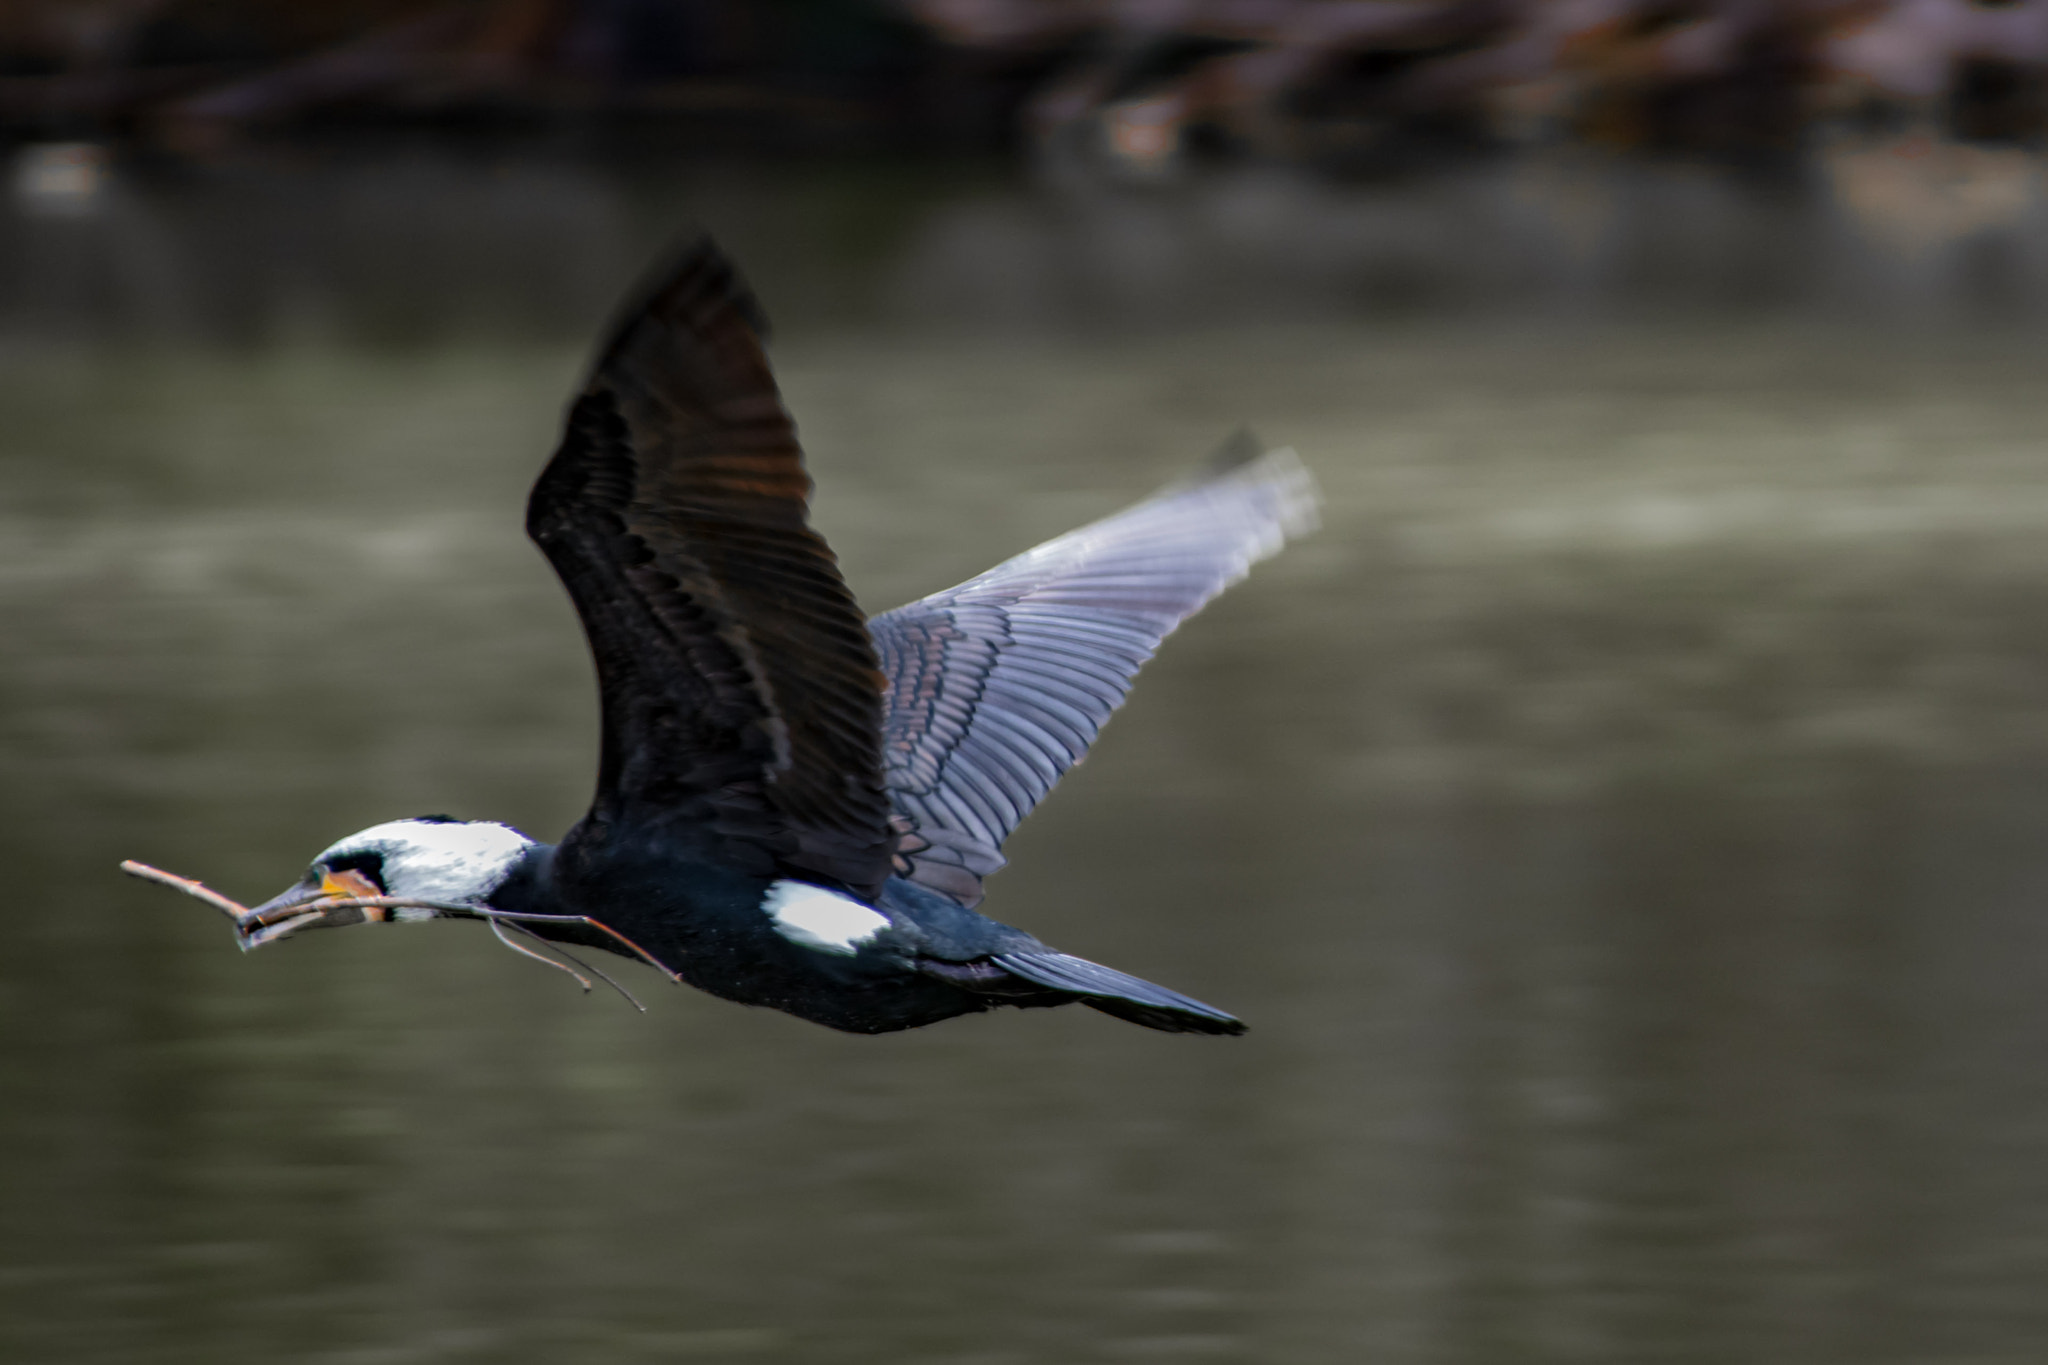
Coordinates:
1622 826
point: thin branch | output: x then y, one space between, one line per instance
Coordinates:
498 927
498 931
233 909
253 939
488 912
288 918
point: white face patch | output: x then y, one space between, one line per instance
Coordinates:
819 919
438 861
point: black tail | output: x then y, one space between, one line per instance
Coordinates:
1112 992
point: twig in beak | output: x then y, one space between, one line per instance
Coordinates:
498 931
272 930
253 932
499 926
490 913
233 909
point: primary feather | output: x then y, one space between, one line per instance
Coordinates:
740 693
999 685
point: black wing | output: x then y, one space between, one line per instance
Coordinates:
742 701
998 686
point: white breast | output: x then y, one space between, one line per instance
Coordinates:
819 919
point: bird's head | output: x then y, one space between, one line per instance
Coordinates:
427 857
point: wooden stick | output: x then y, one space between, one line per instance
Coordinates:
233 909
499 926
485 912
244 917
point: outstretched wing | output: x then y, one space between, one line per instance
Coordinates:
998 686
741 697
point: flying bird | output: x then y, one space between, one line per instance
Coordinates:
796 807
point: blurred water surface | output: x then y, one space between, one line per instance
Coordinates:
1622 826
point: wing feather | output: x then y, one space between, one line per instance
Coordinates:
997 687
741 694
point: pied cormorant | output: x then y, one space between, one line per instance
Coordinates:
796 806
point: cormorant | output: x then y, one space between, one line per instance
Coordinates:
795 806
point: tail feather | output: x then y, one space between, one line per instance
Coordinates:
1115 993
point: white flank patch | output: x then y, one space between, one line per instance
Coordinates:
824 920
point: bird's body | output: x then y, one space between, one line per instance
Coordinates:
796 807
